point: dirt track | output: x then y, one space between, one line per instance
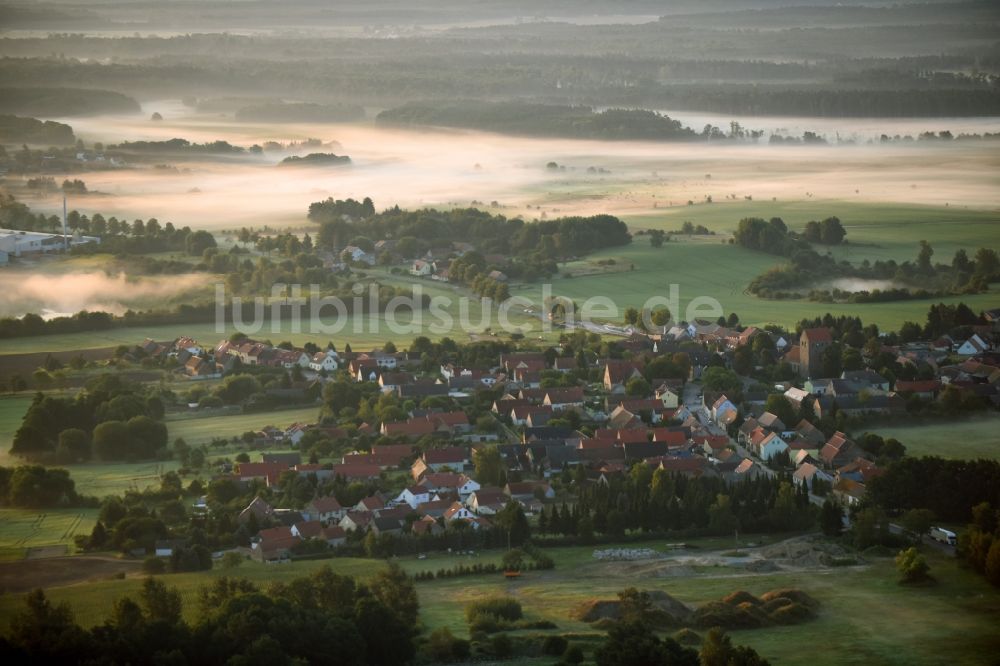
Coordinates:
25 575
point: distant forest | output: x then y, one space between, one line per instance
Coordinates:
64 102
541 119
907 59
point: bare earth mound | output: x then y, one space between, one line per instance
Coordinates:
669 609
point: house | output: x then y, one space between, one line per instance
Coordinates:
357 471
258 508
274 544
526 491
355 520
807 432
724 411
166 547
838 450
668 396
770 421
268 472
386 525
358 255
972 346
487 501
421 268
747 469
323 361
796 396
865 379
767 444
452 457
812 343
411 429
326 509
198 367
560 399
922 388
498 276
414 496
807 473
459 511
618 373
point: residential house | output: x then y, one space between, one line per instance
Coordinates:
326 509
807 473
258 508
838 450
724 411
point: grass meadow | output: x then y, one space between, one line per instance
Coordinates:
974 437
866 616
708 267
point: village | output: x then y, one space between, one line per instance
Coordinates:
552 430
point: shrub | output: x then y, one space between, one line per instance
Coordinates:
500 608
573 655
231 560
501 646
153 565
442 646
554 645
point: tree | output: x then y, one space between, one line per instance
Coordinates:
160 603
718 650
111 440
917 522
987 262
912 566
490 469
992 568
831 231
638 386
924 258
377 622
196 243
631 643
511 519
512 560
778 405
395 589
47 630
831 518
74 445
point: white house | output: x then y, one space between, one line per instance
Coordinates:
324 361
468 487
458 511
771 446
807 473
972 346
357 254
723 410
414 496
669 397
421 268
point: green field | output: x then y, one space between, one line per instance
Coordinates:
977 437
874 231
865 617
702 267
202 430
12 410
24 528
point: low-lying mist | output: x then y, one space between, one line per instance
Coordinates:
53 295
414 168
